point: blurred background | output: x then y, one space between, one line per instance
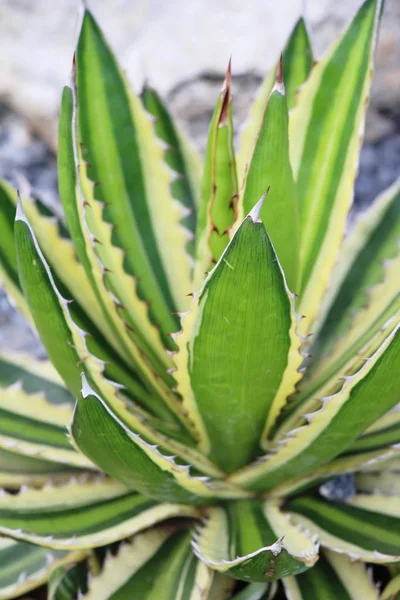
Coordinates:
182 48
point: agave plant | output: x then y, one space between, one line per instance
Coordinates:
214 371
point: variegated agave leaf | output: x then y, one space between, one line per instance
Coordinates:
219 346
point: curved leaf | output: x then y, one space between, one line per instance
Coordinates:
127 457
365 527
8 257
392 589
66 344
67 582
253 541
124 316
326 124
34 376
328 380
132 179
332 428
81 514
334 577
30 425
17 470
179 155
381 482
362 265
384 432
25 566
154 565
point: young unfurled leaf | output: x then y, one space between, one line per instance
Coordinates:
217 210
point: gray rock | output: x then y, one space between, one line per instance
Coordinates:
339 488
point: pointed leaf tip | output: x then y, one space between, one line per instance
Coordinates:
86 389
254 214
279 85
226 96
19 214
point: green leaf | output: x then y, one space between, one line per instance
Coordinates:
352 463
67 181
127 457
365 527
60 252
46 303
217 211
34 376
383 433
334 577
25 566
30 425
65 341
81 514
132 179
297 61
123 315
179 155
253 541
66 582
248 137
8 257
68 348
334 426
18 469
379 482
327 381
392 589
255 591
222 586
154 565
270 167
364 288
370 244
233 361
325 134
